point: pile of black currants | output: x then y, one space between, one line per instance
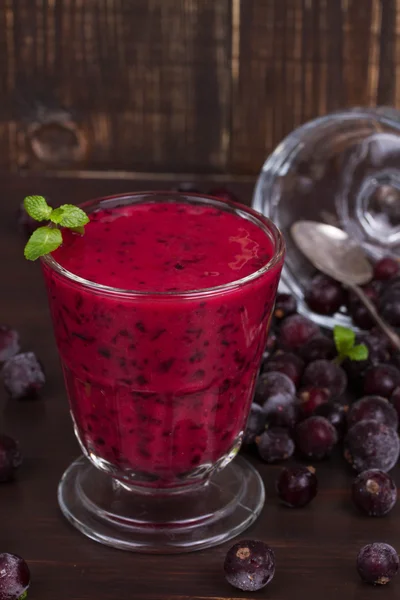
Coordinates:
316 390
326 296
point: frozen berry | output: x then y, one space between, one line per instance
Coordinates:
249 565
285 305
395 401
9 342
271 343
315 437
326 374
324 295
14 577
23 375
381 379
378 346
360 315
287 363
274 445
395 359
310 398
295 331
281 411
374 492
317 348
390 307
297 486
386 268
377 563
223 194
10 457
274 383
370 290
371 445
335 413
389 286
377 286
255 424
378 352
372 408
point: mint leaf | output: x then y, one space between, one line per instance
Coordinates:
344 339
69 216
46 239
42 241
359 352
37 208
344 342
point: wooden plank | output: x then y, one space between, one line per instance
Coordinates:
195 86
107 83
357 45
387 59
299 60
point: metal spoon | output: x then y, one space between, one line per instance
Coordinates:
331 251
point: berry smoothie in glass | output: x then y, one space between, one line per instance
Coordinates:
161 312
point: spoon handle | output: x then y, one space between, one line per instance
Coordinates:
387 330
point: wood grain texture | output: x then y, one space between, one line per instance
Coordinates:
146 82
315 547
183 85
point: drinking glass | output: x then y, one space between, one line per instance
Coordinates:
160 386
341 169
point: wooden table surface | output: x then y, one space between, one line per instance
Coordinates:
315 547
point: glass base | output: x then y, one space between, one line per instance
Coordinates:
155 522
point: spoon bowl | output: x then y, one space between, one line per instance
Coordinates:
332 252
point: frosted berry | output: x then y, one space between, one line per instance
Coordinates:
373 408
315 437
374 492
295 331
297 486
23 375
371 445
377 563
275 445
14 577
10 457
249 565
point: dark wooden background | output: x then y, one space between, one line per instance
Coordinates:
183 86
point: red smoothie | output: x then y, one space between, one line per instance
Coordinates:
160 377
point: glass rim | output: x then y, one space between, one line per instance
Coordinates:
244 211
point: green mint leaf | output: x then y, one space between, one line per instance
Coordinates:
42 241
359 352
24 595
344 339
69 216
37 208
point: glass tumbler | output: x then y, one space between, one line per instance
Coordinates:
160 386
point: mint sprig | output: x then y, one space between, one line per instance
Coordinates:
345 345
46 239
